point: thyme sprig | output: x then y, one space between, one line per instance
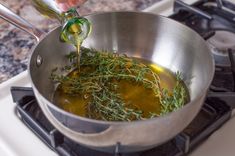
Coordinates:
97 83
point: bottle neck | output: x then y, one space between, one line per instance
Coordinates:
75 28
68 15
48 8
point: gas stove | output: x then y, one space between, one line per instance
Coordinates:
214 113
27 132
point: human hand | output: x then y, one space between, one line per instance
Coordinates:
65 5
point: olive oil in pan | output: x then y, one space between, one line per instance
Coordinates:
135 95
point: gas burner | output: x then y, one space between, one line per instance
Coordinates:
219 45
210 15
223 40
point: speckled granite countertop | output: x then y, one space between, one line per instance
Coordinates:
15 44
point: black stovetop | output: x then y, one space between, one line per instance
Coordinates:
206 17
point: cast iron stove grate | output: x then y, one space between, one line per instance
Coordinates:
206 17
213 114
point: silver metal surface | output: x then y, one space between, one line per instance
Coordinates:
19 22
39 60
55 7
151 37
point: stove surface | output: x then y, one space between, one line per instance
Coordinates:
214 113
18 140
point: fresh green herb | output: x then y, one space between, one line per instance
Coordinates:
97 83
172 101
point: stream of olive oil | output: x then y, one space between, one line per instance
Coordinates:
79 55
132 93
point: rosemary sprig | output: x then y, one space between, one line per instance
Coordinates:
97 82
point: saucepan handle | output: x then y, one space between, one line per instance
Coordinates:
21 23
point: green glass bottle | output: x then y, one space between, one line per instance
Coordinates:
75 28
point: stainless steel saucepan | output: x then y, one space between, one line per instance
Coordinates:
143 35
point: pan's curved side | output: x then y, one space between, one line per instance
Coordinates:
132 137
142 35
